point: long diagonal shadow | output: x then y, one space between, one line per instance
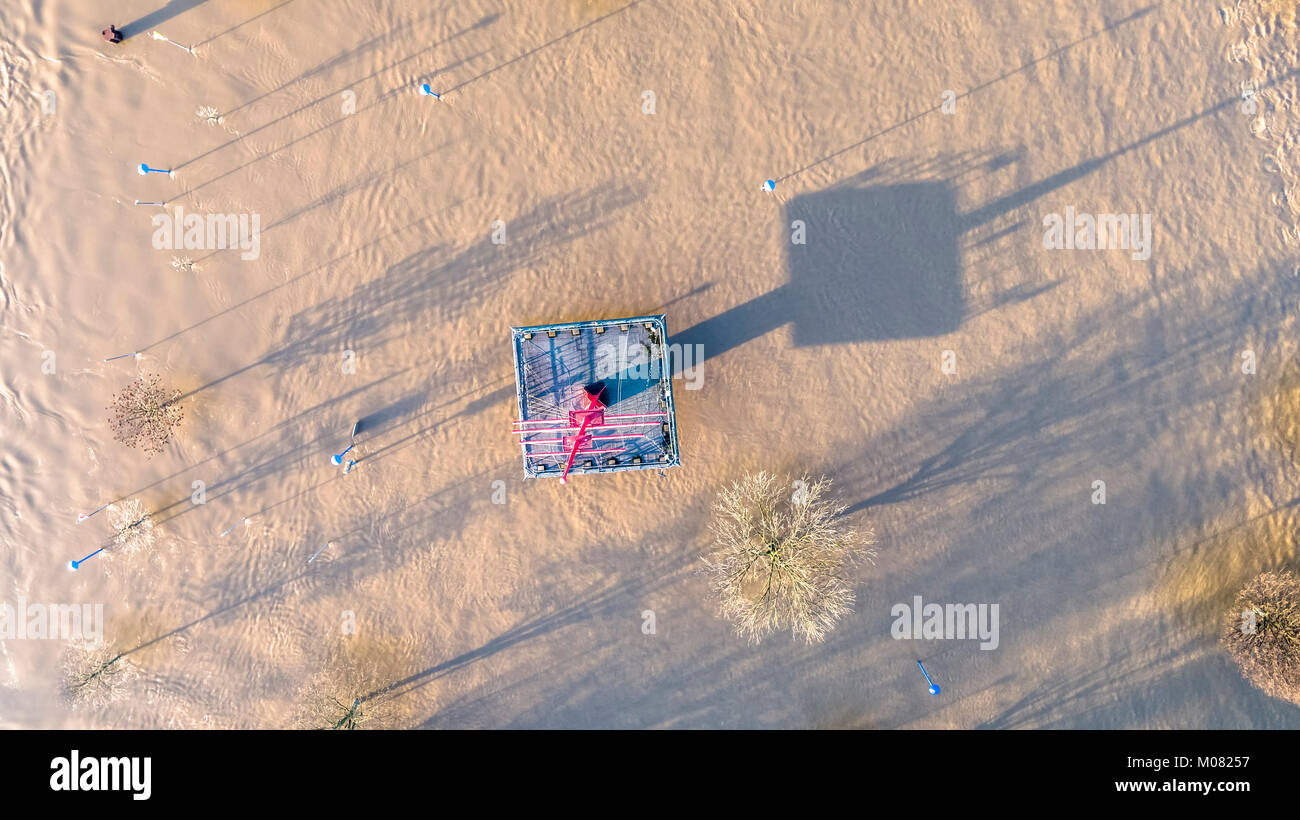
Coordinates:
887 263
383 98
896 249
286 283
547 44
328 63
159 16
597 600
246 599
332 568
1053 53
482 23
1050 410
278 428
257 16
306 451
407 289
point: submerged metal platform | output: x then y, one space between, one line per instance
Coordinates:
560 367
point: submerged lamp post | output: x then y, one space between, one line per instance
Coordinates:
158 36
232 526
83 516
74 565
337 460
934 687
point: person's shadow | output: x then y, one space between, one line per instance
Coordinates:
158 17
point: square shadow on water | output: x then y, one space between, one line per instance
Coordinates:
879 263
876 263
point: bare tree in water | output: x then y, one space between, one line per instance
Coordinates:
349 692
145 414
133 528
781 556
1262 633
96 675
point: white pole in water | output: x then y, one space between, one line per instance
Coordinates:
934 687
159 204
236 524
122 356
158 36
428 92
83 516
145 171
319 551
